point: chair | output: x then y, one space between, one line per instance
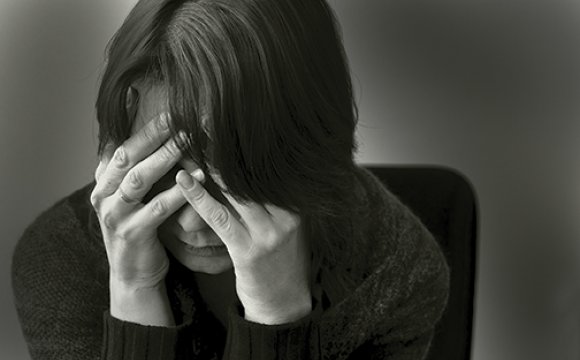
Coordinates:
445 201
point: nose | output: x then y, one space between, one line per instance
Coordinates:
189 219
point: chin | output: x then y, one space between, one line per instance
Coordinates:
205 265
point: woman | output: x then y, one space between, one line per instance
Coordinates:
228 219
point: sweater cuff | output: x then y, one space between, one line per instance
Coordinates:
126 340
249 340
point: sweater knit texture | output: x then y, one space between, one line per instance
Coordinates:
61 292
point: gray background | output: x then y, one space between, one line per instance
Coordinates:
490 88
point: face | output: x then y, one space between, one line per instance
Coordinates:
185 234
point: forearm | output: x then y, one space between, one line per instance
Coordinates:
144 306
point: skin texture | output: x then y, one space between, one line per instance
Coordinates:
263 243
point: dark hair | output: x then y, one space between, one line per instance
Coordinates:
272 78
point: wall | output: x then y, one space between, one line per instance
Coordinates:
490 88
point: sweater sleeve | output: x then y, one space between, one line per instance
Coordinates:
126 340
248 340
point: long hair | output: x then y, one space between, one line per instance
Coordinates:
262 90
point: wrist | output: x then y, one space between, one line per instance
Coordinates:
141 305
290 310
271 299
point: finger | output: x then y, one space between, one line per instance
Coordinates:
260 219
100 169
108 152
190 166
131 152
215 214
159 209
255 217
141 178
104 159
148 139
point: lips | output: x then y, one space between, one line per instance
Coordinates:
205 251
200 245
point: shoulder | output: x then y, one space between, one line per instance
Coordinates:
57 247
403 288
64 226
60 281
387 230
397 246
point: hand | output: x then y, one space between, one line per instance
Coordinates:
137 260
270 256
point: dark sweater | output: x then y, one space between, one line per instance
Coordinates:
60 282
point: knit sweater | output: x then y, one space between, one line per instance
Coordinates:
60 282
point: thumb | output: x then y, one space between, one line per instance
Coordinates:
214 213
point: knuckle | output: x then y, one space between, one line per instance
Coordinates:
220 218
198 196
159 208
125 233
99 171
121 158
135 179
109 221
165 154
169 152
97 196
95 200
272 235
152 134
108 152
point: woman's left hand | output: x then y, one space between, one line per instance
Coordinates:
270 255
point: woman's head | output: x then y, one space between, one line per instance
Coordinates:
261 88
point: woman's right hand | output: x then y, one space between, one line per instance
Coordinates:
137 259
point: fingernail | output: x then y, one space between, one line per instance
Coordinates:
199 175
216 177
163 122
184 180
